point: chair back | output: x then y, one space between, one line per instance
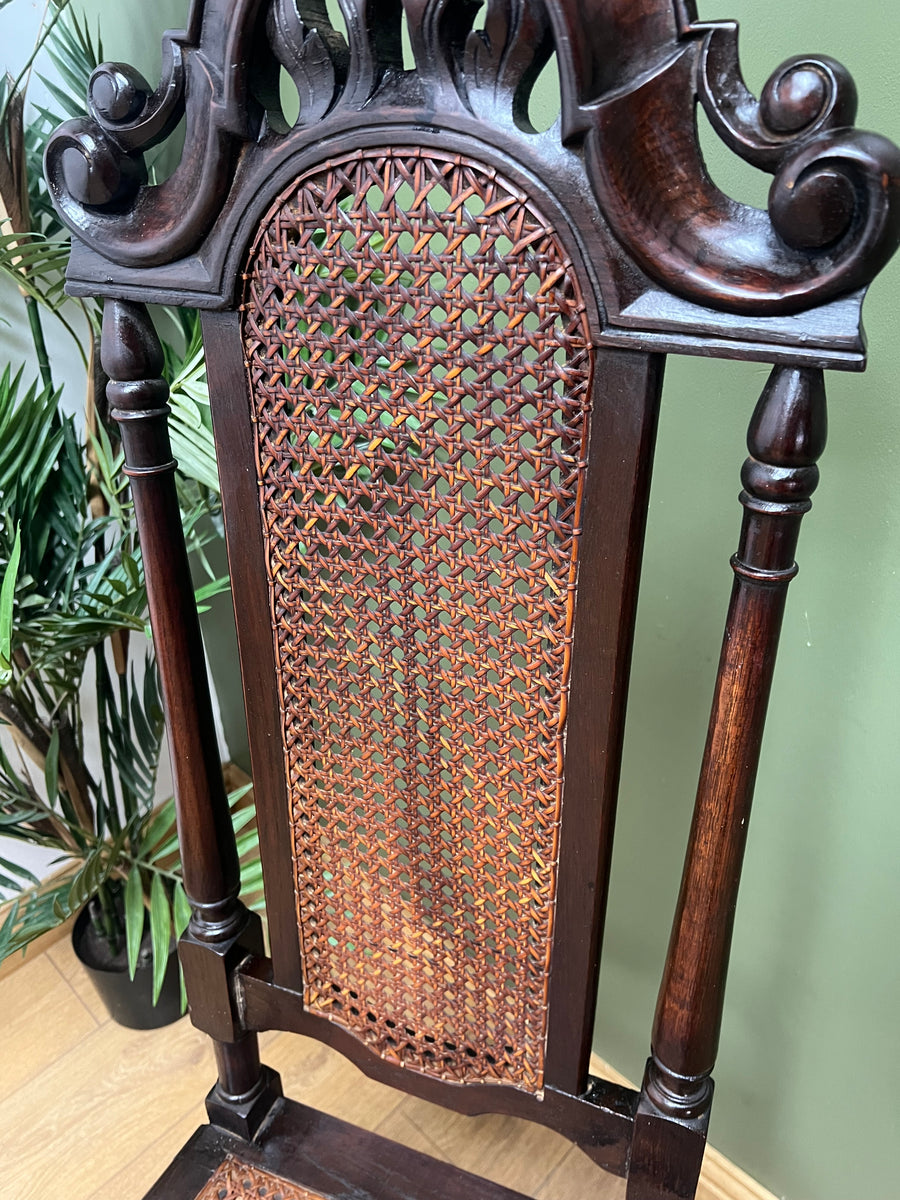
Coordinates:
435 338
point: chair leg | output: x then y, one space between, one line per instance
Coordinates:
246 1091
666 1154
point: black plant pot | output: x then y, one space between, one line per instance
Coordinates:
128 1001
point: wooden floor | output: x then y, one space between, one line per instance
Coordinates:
92 1111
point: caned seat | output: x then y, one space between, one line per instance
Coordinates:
435 339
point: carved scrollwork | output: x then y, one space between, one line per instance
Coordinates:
834 208
835 199
631 74
98 161
85 170
95 166
603 46
122 101
804 96
835 187
838 192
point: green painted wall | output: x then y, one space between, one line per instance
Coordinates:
810 1052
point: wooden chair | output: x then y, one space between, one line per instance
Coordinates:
435 342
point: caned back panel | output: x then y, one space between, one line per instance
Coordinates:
420 371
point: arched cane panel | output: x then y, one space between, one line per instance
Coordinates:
420 362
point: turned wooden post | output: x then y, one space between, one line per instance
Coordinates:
787 436
221 932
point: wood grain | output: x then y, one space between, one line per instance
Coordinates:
63 957
116 1088
645 245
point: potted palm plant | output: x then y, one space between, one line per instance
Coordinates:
74 647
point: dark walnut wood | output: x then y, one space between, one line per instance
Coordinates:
786 438
133 361
680 265
435 342
221 931
335 1160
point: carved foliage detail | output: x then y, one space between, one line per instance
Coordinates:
508 54
95 166
311 52
456 63
376 46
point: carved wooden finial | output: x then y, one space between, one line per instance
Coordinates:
131 349
790 424
132 357
786 437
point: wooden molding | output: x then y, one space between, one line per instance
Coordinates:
720 1179
724 1181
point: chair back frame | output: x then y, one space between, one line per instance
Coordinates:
659 261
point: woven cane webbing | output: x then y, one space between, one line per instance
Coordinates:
235 1180
420 364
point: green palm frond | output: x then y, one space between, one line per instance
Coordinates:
76 52
31 437
133 720
36 265
190 424
7 604
33 913
43 484
12 875
65 598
